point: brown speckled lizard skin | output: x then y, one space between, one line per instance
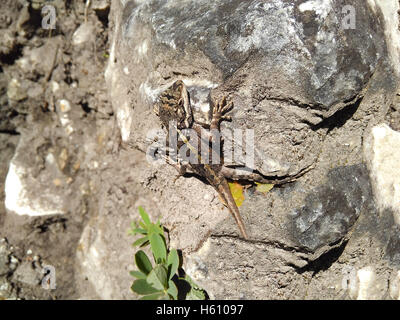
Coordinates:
175 106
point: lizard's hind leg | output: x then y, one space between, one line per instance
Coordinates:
182 168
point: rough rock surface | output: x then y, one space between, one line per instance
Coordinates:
309 87
331 210
381 145
315 88
54 119
286 65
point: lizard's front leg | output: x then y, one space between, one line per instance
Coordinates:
219 111
215 137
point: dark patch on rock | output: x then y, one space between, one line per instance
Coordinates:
335 63
332 209
288 66
381 228
393 247
324 261
339 118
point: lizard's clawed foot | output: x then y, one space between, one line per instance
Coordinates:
223 107
219 111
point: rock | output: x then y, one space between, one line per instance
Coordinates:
366 285
331 210
55 87
35 90
29 274
84 34
395 286
64 105
6 289
286 67
4 257
382 151
23 19
308 83
7 41
8 263
62 159
214 268
23 199
100 5
28 192
94 256
16 91
39 60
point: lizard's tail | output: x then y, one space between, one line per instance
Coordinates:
230 203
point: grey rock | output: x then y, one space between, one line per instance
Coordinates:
287 66
101 5
332 209
35 90
381 152
393 246
7 41
8 262
299 39
27 273
39 60
308 88
22 194
4 257
16 91
83 35
6 289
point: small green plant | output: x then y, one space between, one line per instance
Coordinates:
158 281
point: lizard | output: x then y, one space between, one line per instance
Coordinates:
175 107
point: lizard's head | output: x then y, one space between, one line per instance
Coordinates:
174 105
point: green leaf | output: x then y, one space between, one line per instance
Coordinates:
173 262
172 290
139 230
138 274
195 293
141 223
160 229
157 278
143 262
158 248
155 229
144 216
141 286
140 241
154 296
